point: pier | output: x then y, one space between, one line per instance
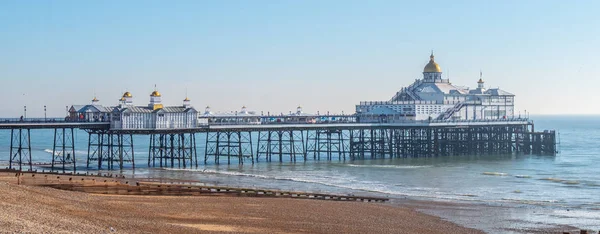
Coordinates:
429 118
294 142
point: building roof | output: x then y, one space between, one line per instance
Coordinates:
498 92
102 108
445 88
145 109
176 109
477 91
76 108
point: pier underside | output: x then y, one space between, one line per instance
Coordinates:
115 149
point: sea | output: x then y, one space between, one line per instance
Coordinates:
494 193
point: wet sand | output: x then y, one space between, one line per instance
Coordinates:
25 208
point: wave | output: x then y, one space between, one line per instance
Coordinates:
563 181
495 173
530 202
522 176
388 166
366 186
59 153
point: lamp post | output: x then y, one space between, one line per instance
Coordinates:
25 112
45 116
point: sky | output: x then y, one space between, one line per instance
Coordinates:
272 56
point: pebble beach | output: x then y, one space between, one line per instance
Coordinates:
35 209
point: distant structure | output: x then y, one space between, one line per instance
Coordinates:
435 98
244 116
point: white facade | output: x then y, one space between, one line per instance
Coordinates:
153 116
434 98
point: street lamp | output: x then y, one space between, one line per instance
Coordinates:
45 116
25 112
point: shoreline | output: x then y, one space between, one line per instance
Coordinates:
460 214
44 209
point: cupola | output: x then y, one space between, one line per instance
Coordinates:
155 100
432 71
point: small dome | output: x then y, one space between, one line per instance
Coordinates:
186 99
480 80
127 95
432 66
95 99
122 99
155 94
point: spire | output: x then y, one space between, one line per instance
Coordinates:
480 82
431 56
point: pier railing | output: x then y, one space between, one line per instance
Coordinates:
45 120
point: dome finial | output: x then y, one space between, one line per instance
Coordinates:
432 66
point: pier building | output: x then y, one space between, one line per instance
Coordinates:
434 98
93 112
154 115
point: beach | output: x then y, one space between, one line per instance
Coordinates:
25 208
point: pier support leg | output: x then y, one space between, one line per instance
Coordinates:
20 149
64 140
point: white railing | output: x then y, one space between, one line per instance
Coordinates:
369 103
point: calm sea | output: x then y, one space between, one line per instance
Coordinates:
546 190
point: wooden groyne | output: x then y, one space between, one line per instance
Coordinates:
120 186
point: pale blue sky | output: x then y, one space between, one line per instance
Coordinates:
275 55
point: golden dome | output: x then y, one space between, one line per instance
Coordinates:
95 99
122 99
480 81
127 95
186 99
432 66
155 94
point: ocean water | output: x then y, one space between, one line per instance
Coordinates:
543 190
